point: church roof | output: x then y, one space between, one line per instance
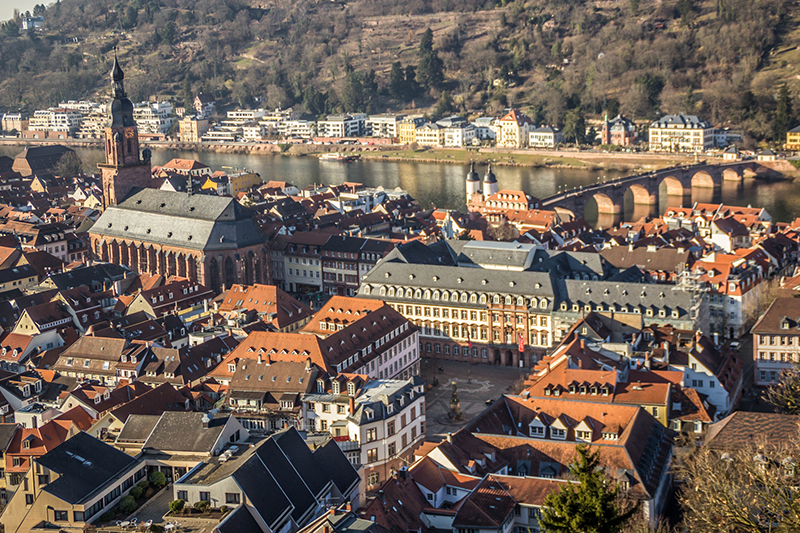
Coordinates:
197 222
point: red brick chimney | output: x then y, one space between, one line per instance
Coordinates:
352 405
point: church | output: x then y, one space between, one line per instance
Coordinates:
209 239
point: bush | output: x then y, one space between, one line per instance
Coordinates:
144 485
223 509
127 504
136 492
107 516
176 506
158 479
202 506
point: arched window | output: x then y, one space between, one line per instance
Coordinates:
483 298
520 301
496 299
508 300
464 297
473 298
445 296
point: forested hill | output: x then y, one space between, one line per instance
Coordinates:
723 59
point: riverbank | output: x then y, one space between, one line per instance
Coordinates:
585 160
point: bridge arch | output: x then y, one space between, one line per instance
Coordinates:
731 174
672 186
641 196
703 179
605 204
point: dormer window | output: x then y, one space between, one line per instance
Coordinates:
323 325
231 367
785 324
351 389
335 387
320 386
370 413
572 389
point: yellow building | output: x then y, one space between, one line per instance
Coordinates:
793 139
192 129
232 184
407 129
514 129
430 134
243 182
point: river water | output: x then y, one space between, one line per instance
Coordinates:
442 184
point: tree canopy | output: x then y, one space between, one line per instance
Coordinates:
590 506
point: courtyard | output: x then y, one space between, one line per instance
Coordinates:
475 383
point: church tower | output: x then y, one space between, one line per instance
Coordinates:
489 183
473 182
123 168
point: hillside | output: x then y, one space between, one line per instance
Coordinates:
559 60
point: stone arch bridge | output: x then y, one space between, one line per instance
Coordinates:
646 188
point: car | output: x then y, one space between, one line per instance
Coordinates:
734 345
490 401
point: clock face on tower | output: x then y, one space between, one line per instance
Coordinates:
129 133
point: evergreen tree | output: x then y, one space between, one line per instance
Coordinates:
397 82
430 70
574 126
352 95
588 507
783 115
188 96
412 86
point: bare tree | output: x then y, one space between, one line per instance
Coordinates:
785 394
747 490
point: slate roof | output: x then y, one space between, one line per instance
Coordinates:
89 275
184 432
138 428
194 221
263 490
85 466
239 521
781 309
687 121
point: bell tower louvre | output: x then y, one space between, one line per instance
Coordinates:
124 168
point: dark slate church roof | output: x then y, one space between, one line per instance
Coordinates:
194 221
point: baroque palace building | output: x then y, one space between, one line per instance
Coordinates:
209 239
507 303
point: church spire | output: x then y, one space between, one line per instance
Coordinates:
120 110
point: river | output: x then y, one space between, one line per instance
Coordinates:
442 184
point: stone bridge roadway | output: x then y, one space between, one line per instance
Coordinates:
646 188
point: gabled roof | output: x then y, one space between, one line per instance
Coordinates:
156 401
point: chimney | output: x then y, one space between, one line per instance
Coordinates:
352 405
450 438
308 364
348 507
267 360
583 345
206 421
259 359
630 247
716 339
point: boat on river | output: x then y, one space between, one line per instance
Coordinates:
342 158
